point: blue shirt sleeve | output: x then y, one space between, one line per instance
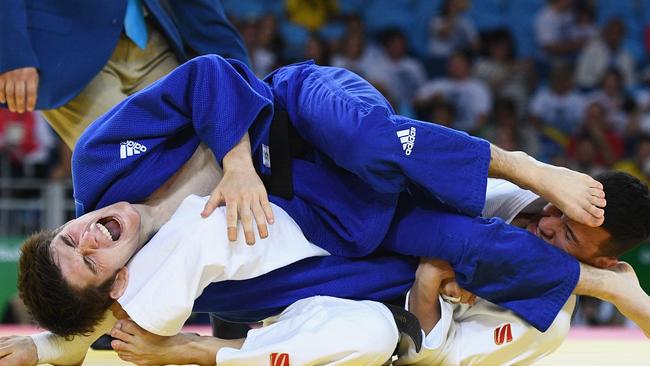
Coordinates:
16 48
215 99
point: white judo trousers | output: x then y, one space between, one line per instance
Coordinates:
319 330
332 331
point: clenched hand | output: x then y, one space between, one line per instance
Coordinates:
18 88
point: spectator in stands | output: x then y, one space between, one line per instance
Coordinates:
400 73
317 49
470 96
505 131
353 55
554 29
614 99
604 52
436 110
585 157
585 27
559 106
354 25
311 14
449 32
506 76
263 43
26 145
639 165
594 312
269 39
595 126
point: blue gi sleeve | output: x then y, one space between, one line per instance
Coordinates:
15 46
221 100
379 278
209 97
349 121
501 263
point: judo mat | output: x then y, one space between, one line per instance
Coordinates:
583 347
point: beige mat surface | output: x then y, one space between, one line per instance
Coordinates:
584 347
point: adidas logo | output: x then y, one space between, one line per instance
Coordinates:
407 138
130 148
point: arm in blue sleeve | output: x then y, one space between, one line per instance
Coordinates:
207 99
205 29
218 100
15 46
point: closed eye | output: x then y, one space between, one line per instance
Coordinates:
571 236
90 265
67 241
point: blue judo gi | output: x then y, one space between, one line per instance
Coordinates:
354 196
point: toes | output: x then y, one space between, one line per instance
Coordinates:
595 192
596 212
597 201
595 184
594 217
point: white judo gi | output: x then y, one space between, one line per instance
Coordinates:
189 252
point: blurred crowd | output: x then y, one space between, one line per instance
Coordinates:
566 81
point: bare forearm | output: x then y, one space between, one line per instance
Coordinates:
620 287
240 155
425 306
59 351
423 298
595 282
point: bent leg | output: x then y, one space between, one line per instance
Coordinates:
501 263
320 330
349 121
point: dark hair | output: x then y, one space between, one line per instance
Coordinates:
391 34
497 36
627 214
445 8
54 304
613 71
324 49
464 54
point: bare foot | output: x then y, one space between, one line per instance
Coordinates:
577 195
134 344
629 297
141 347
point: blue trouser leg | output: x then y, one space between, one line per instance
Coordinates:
344 117
501 263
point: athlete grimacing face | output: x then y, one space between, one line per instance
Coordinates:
92 248
581 241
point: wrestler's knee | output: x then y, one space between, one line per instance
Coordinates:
381 335
367 328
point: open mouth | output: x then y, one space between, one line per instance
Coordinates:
110 227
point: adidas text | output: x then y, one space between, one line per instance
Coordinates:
130 148
407 138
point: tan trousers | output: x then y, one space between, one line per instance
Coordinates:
129 70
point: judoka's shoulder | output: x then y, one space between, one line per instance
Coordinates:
212 60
